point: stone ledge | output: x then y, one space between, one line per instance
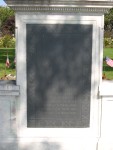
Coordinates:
9 88
106 89
62 6
61 2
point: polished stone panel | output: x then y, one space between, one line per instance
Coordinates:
58 75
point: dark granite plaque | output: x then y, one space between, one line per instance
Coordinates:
59 59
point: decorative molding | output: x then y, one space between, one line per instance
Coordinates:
61 5
7 88
59 9
61 2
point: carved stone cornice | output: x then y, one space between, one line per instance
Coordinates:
60 9
61 5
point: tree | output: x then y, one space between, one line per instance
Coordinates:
108 24
5 14
9 26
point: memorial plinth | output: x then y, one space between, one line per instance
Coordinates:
59 48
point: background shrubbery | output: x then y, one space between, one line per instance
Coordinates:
108 42
7 41
7 27
108 29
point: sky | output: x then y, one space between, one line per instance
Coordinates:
2 3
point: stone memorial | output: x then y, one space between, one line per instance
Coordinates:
57 101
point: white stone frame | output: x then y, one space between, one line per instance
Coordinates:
97 47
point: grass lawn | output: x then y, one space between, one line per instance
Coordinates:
3 56
108 71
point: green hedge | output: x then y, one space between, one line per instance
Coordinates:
108 42
7 41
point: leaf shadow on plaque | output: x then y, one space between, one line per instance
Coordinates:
59 73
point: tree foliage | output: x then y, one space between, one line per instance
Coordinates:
108 24
6 19
7 41
109 20
9 26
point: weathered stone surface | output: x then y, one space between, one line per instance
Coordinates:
4 118
8 146
7 117
85 2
